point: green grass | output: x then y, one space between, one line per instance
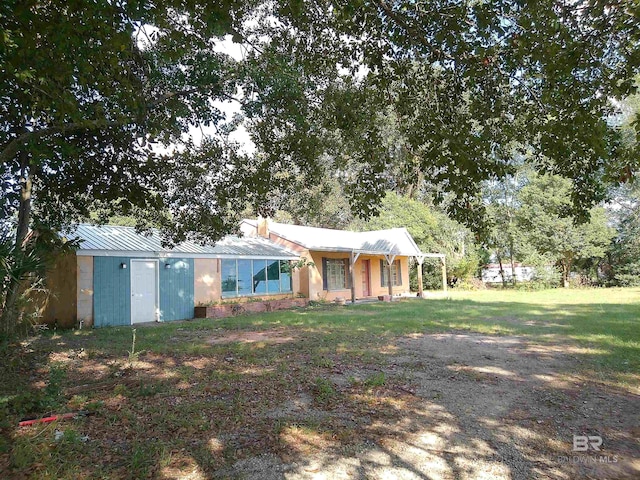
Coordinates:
605 320
182 390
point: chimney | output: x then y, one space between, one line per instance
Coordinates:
263 227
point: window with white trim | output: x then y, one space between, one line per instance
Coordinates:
396 274
335 273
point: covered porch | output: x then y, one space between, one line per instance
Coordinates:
392 270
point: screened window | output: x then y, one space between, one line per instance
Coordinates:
255 277
396 274
335 273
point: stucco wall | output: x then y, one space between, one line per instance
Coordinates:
60 305
207 287
316 275
376 288
84 296
316 291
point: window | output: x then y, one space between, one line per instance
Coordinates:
396 274
285 276
259 276
273 275
335 273
244 277
255 277
229 276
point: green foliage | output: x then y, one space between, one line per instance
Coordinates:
52 395
398 211
466 268
624 255
84 115
37 402
318 202
324 390
546 223
447 88
433 231
503 239
132 355
23 270
120 389
467 80
378 379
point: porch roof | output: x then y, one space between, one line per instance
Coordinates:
394 241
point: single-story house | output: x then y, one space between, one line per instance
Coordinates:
121 277
345 263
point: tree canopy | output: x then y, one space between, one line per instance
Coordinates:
91 90
546 224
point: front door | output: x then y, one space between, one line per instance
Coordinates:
144 290
366 290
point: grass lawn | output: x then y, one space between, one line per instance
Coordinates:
205 398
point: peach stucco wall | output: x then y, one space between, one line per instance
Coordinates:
316 276
206 277
376 288
85 290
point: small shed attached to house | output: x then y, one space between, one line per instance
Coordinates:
121 277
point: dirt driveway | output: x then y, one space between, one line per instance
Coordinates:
483 407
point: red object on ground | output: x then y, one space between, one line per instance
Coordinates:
52 418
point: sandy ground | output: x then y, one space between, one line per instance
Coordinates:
487 407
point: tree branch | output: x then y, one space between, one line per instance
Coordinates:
411 31
10 150
186 92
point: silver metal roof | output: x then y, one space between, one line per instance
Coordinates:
394 241
108 240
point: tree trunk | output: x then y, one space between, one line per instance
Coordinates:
504 280
566 268
390 279
513 266
10 317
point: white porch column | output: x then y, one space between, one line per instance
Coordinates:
352 263
420 260
390 259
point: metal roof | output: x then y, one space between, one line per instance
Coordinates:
108 240
394 241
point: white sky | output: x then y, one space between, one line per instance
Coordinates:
229 108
